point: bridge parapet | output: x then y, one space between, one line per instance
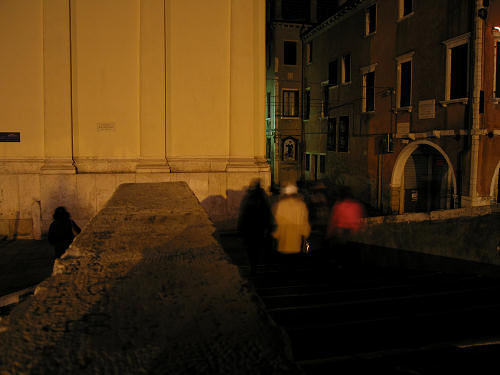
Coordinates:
145 288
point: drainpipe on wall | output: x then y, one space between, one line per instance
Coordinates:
476 89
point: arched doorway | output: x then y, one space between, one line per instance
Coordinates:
423 179
495 185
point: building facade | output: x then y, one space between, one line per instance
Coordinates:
286 21
96 93
402 103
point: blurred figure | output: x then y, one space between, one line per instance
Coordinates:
292 221
345 220
319 212
255 223
318 208
62 231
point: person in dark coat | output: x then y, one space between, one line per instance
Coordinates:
62 231
255 223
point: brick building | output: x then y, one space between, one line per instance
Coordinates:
400 102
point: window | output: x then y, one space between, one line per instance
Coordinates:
343 145
268 148
346 68
307 104
458 79
369 92
309 53
405 8
368 97
290 53
332 73
268 105
322 163
325 99
497 70
371 20
290 103
308 162
404 80
331 141
457 67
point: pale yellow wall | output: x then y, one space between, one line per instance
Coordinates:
181 83
199 37
21 77
106 77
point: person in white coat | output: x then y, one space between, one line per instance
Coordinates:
292 221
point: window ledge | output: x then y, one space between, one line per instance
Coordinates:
405 109
289 117
445 103
368 112
402 18
346 84
369 35
495 100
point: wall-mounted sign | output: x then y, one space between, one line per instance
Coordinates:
426 109
105 126
289 149
10 137
403 128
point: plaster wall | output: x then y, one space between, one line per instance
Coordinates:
110 91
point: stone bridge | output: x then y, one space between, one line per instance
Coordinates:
145 288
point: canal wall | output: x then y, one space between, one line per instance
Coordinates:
461 240
145 288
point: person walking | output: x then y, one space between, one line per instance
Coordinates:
345 221
255 223
292 221
62 231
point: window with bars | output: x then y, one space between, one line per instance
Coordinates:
290 103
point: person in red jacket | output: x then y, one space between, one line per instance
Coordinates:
345 221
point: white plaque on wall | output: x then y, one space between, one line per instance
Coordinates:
403 128
427 109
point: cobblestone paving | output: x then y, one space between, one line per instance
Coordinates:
145 288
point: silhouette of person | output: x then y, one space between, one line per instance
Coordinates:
292 221
62 231
255 223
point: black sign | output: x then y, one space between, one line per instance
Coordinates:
10 137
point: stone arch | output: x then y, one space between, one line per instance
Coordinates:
399 167
495 185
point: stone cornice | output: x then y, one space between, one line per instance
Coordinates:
339 16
